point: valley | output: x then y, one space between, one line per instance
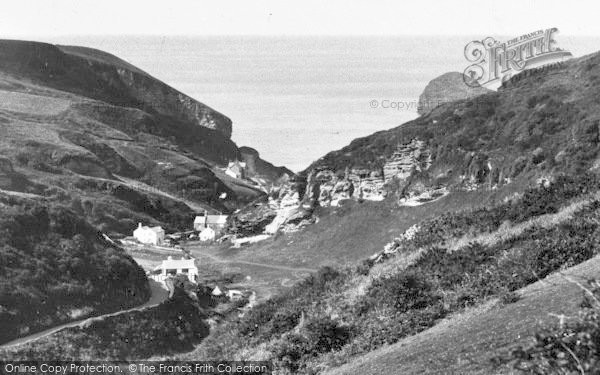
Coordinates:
441 245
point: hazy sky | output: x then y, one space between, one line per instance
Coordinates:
20 18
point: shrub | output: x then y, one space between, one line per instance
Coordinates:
402 292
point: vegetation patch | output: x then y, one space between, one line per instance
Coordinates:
53 264
174 326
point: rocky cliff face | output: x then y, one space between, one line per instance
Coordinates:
446 88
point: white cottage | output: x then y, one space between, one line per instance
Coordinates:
172 267
149 235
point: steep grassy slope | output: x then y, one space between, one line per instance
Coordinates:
470 342
101 76
55 267
80 124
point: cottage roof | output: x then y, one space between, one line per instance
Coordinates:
182 263
157 229
216 219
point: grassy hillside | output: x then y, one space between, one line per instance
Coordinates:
338 314
80 124
55 267
479 340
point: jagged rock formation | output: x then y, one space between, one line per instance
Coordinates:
408 158
444 89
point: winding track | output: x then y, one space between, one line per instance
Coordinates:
157 296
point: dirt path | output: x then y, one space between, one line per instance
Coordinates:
152 190
217 259
158 295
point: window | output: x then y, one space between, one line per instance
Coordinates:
172 272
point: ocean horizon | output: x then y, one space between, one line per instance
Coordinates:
294 99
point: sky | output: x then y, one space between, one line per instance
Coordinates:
49 18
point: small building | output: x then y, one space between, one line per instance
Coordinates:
236 169
217 291
172 267
207 234
233 294
215 222
149 235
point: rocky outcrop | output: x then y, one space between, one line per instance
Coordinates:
259 168
252 220
408 158
446 88
288 208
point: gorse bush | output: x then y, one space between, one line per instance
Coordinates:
401 292
316 337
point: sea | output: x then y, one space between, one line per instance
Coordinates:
296 98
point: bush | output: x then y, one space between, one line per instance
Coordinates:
402 292
317 337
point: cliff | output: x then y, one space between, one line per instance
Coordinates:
98 75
